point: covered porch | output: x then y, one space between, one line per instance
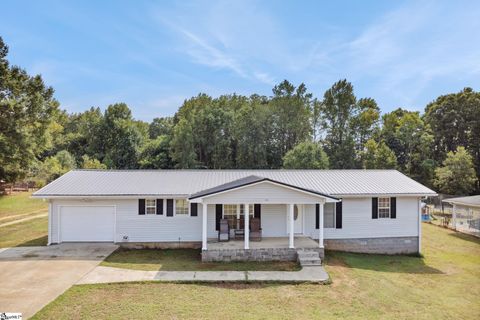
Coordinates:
252 194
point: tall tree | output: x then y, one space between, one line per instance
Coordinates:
182 145
365 122
253 134
455 121
339 112
122 137
291 117
306 155
410 138
155 154
161 127
457 175
378 156
27 107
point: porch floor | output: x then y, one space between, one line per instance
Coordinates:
265 243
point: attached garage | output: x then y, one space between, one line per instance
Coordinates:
87 223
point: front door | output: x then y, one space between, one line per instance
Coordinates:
298 218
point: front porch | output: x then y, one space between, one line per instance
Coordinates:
268 249
245 234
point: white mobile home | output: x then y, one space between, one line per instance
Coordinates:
264 214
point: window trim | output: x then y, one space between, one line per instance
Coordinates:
384 207
147 206
187 214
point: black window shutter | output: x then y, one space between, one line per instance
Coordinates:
317 216
338 215
393 208
257 211
169 207
374 208
194 209
159 206
141 206
218 215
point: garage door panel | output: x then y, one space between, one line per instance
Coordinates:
87 223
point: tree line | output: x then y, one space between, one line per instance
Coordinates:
289 129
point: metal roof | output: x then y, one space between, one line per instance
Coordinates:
183 183
472 201
248 181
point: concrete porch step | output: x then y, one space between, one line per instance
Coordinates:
308 258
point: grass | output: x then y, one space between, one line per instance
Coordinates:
184 260
20 205
28 233
444 284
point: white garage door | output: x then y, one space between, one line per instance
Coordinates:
87 223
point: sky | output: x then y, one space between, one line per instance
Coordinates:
153 55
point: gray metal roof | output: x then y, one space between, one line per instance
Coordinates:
245 182
472 201
187 182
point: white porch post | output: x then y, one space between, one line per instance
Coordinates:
246 214
204 226
320 236
291 245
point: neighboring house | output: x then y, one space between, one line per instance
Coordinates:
373 211
466 214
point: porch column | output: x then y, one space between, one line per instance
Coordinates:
246 214
291 226
204 226
320 236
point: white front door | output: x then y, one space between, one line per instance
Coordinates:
298 218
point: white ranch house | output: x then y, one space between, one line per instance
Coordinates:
261 214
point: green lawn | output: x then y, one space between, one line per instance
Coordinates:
445 284
184 260
19 205
28 233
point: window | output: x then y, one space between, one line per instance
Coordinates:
151 206
181 207
230 213
250 209
329 215
384 207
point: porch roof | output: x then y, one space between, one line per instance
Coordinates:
250 180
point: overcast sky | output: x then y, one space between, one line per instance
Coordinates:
154 54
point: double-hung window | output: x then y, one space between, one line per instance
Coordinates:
181 207
151 206
384 207
230 213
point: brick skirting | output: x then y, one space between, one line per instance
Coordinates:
260 254
161 245
391 245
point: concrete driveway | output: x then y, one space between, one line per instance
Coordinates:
31 277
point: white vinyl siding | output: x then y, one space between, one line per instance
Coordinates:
357 221
263 192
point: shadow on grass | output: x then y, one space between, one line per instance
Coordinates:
185 260
41 241
464 236
381 263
